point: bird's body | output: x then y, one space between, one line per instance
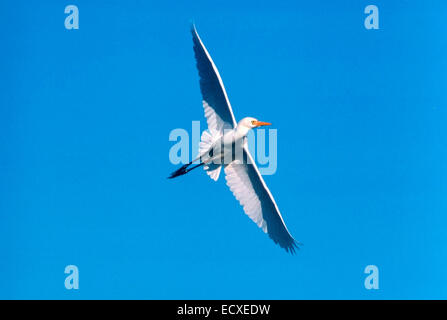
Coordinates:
224 145
227 146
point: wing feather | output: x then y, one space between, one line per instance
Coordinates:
216 105
248 186
242 177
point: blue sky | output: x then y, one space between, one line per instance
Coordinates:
86 115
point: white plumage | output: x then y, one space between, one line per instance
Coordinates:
217 150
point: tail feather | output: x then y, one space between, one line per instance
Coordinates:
208 138
213 170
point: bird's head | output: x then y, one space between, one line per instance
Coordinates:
252 123
249 123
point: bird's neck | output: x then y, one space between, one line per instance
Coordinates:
241 132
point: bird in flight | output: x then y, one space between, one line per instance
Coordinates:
225 145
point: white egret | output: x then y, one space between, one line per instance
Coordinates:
219 148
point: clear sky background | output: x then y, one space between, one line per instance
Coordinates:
85 117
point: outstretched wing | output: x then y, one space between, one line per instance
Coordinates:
249 188
217 107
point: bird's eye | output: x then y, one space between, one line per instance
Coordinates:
253 122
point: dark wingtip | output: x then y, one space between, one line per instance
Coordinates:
295 245
192 27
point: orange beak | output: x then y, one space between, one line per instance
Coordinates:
260 123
